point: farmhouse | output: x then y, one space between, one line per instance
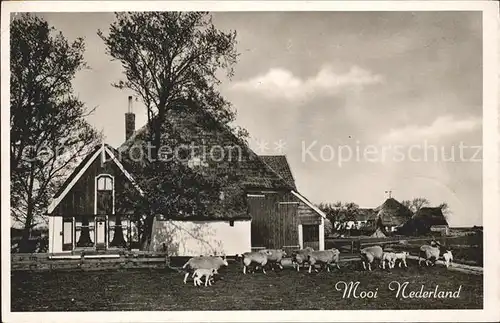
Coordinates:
91 210
425 221
389 216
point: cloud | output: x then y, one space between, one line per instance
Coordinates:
281 83
441 127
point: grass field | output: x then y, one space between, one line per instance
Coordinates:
142 290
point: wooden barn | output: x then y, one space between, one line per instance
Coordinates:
90 212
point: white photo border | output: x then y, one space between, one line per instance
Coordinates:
491 162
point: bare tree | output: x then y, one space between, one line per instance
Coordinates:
48 130
407 203
445 208
418 203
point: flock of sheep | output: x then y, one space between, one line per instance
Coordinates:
208 266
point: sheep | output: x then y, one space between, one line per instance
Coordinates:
448 258
326 257
369 254
254 257
301 256
200 272
274 256
429 254
203 262
401 256
390 257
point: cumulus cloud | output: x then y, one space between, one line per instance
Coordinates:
281 83
441 127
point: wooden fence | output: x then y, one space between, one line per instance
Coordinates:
353 245
43 261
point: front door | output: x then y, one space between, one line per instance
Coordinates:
100 232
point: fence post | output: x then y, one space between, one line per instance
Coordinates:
352 246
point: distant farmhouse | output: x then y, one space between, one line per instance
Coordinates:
90 211
392 217
360 221
427 219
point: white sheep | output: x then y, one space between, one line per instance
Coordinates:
401 256
274 256
370 254
325 257
429 253
301 256
203 262
259 258
448 258
200 272
390 257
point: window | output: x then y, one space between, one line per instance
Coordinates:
117 231
104 183
67 234
310 232
104 195
84 231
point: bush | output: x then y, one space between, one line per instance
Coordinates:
33 245
328 227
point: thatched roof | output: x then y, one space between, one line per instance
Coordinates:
280 165
424 219
203 130
431 215
391 213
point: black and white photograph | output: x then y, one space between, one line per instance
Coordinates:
197 161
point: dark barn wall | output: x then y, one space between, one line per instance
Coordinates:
274 225
80 199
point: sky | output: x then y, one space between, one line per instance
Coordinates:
360 102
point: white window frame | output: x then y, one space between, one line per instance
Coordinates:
113 203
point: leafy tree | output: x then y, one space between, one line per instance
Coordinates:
340 212
328 227
331 210
48 130
172 61
351 211
171 56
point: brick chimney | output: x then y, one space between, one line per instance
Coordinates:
129 120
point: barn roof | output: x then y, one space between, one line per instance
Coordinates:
279 164
392 213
